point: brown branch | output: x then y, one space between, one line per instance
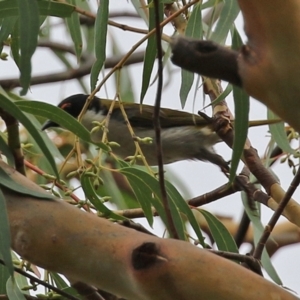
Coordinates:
268 229
13 140
75 73
206 58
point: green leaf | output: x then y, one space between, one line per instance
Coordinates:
5 150
241 102
223 238
10 107
279 134
142 189
150 53
227 17
29 29
147 191
193 29
258 230
13 291
221 97
100 41
75 31
15 43
4 276
5 241
185 209
241 106
95 200
55 9
7 182
10 8
6 29
60 117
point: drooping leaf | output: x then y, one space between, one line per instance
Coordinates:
185 209
147 191
194 30
5 240
75 31
279 134
222 237
227 17
241 107
28 28
7 182
13 291
150 53
95 200
5 150
6 29
100 41
59 116
258 230
9 8
10 107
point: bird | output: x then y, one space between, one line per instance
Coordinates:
184 136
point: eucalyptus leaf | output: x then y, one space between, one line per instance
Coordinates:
100 41
29 24
5 240
75 30
150 53
222 237
10 107
279 134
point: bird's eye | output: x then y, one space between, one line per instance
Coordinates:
65 106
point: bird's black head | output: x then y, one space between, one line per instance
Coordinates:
74 105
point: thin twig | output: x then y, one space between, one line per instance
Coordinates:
41 282
157 129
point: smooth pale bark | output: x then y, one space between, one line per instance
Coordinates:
270 65
62 238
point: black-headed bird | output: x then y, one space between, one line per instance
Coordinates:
184 136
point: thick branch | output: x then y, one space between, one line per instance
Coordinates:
124 262
206 58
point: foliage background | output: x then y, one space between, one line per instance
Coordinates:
194 178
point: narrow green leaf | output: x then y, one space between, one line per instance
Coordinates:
7 182
9 106
59 116
75 31
15 43
221 97
150 53
142 189
258 229
100 41
4 276
227 17
279 134
223 238
93 197
241 106
241 102
140 10
5 241
29 29
13 291
5 150
147 191
6 29
55 9
10 8
193 29
185 209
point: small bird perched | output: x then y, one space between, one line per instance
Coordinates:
184 136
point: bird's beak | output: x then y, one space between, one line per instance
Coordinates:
49 124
